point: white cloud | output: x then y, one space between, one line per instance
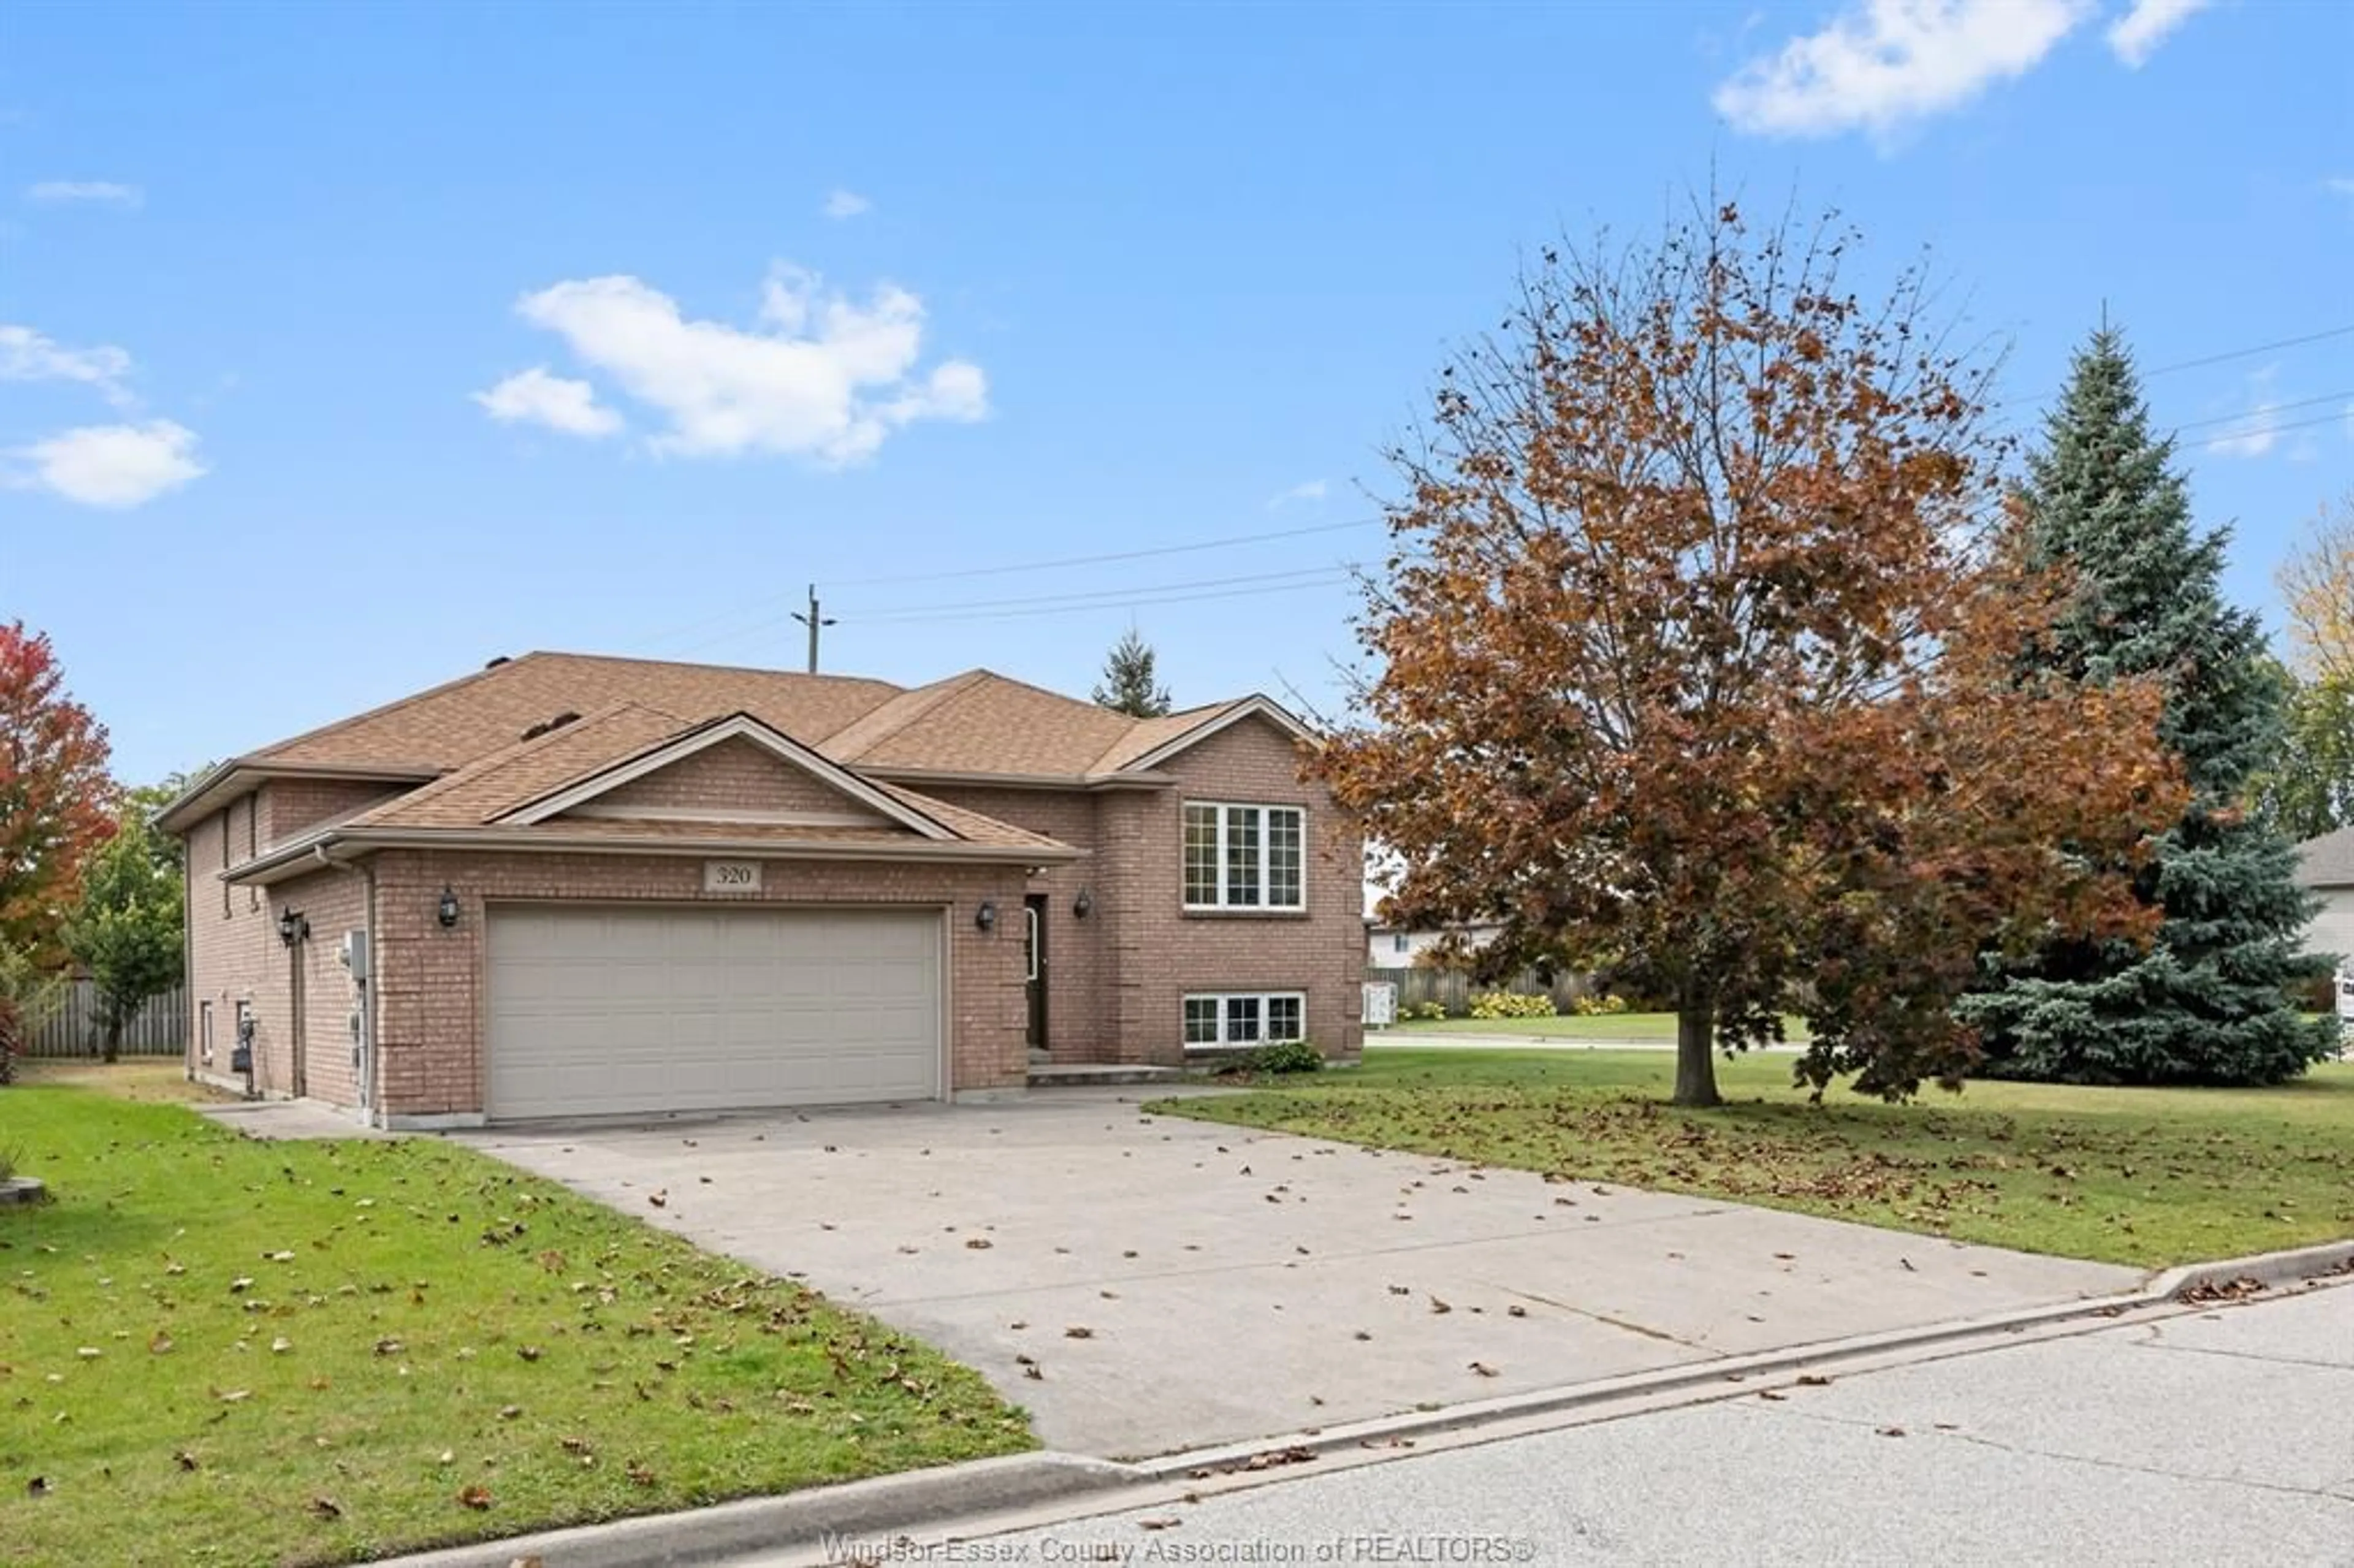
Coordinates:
2134 36
2258 437
99 193
533 397
2339 185
28 355
112 465
1306 491
847 204
1885 63
822 376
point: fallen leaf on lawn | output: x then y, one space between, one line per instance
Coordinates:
389 1346
509 1412
278 1257
529 1352
326 1508
37 1486
235 1394
639 1473
280 1345
89 1352
240 1284
477 1496
161 1344
184 1459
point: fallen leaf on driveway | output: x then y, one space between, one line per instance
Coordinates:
1891 1431
1516 1311
1483 1369
659 1200
978 1243
1171 1522
1769 1393
1813 1380
1079 1333
1437 1307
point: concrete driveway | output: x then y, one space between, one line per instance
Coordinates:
1175 1284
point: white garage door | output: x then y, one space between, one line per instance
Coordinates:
600 1012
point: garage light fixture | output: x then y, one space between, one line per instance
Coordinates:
986 916
293 926
447 910
1084 902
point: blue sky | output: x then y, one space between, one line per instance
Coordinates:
344 348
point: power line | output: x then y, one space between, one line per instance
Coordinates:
2266 412
2205 359
1116 555
1334 578
2267 431
893 613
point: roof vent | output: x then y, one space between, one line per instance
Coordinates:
548 726
496 663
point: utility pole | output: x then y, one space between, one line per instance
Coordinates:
814 621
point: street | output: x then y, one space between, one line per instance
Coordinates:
2214 1434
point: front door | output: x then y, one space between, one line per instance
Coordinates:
1033 951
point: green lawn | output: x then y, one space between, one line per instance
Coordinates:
1608 1026
217 1351
2137 1176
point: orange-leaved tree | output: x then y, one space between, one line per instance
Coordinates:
55 799
1698 656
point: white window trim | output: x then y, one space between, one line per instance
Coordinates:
1265 812
1224 997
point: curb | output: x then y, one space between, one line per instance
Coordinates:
873 1507
2229 1280
887 1505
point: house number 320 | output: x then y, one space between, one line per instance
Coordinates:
731 876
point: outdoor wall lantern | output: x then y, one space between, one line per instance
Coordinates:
1084 902
293 926
447 910
986 916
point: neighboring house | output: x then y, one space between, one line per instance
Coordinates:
2325 867
1401 948
572 885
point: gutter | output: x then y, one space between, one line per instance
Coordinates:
293 858
197 799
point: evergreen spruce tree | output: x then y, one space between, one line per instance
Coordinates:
2209 1001
1127 685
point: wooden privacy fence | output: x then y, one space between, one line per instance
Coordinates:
160 1028
1453 989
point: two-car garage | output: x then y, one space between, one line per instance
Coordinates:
617 1011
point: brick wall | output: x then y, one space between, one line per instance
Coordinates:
289 806
1141 951
334 899
1079 1023
432 1002
233 953
732 773
1169 951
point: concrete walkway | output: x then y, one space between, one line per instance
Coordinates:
1146 1284
285 1119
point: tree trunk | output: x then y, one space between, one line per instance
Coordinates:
1696 1054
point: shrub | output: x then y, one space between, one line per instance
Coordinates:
1597 1006
1271 1060
1511 1004
1423 1011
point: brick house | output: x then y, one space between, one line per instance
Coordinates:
575 886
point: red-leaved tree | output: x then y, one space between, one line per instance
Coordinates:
1699 660
56 798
